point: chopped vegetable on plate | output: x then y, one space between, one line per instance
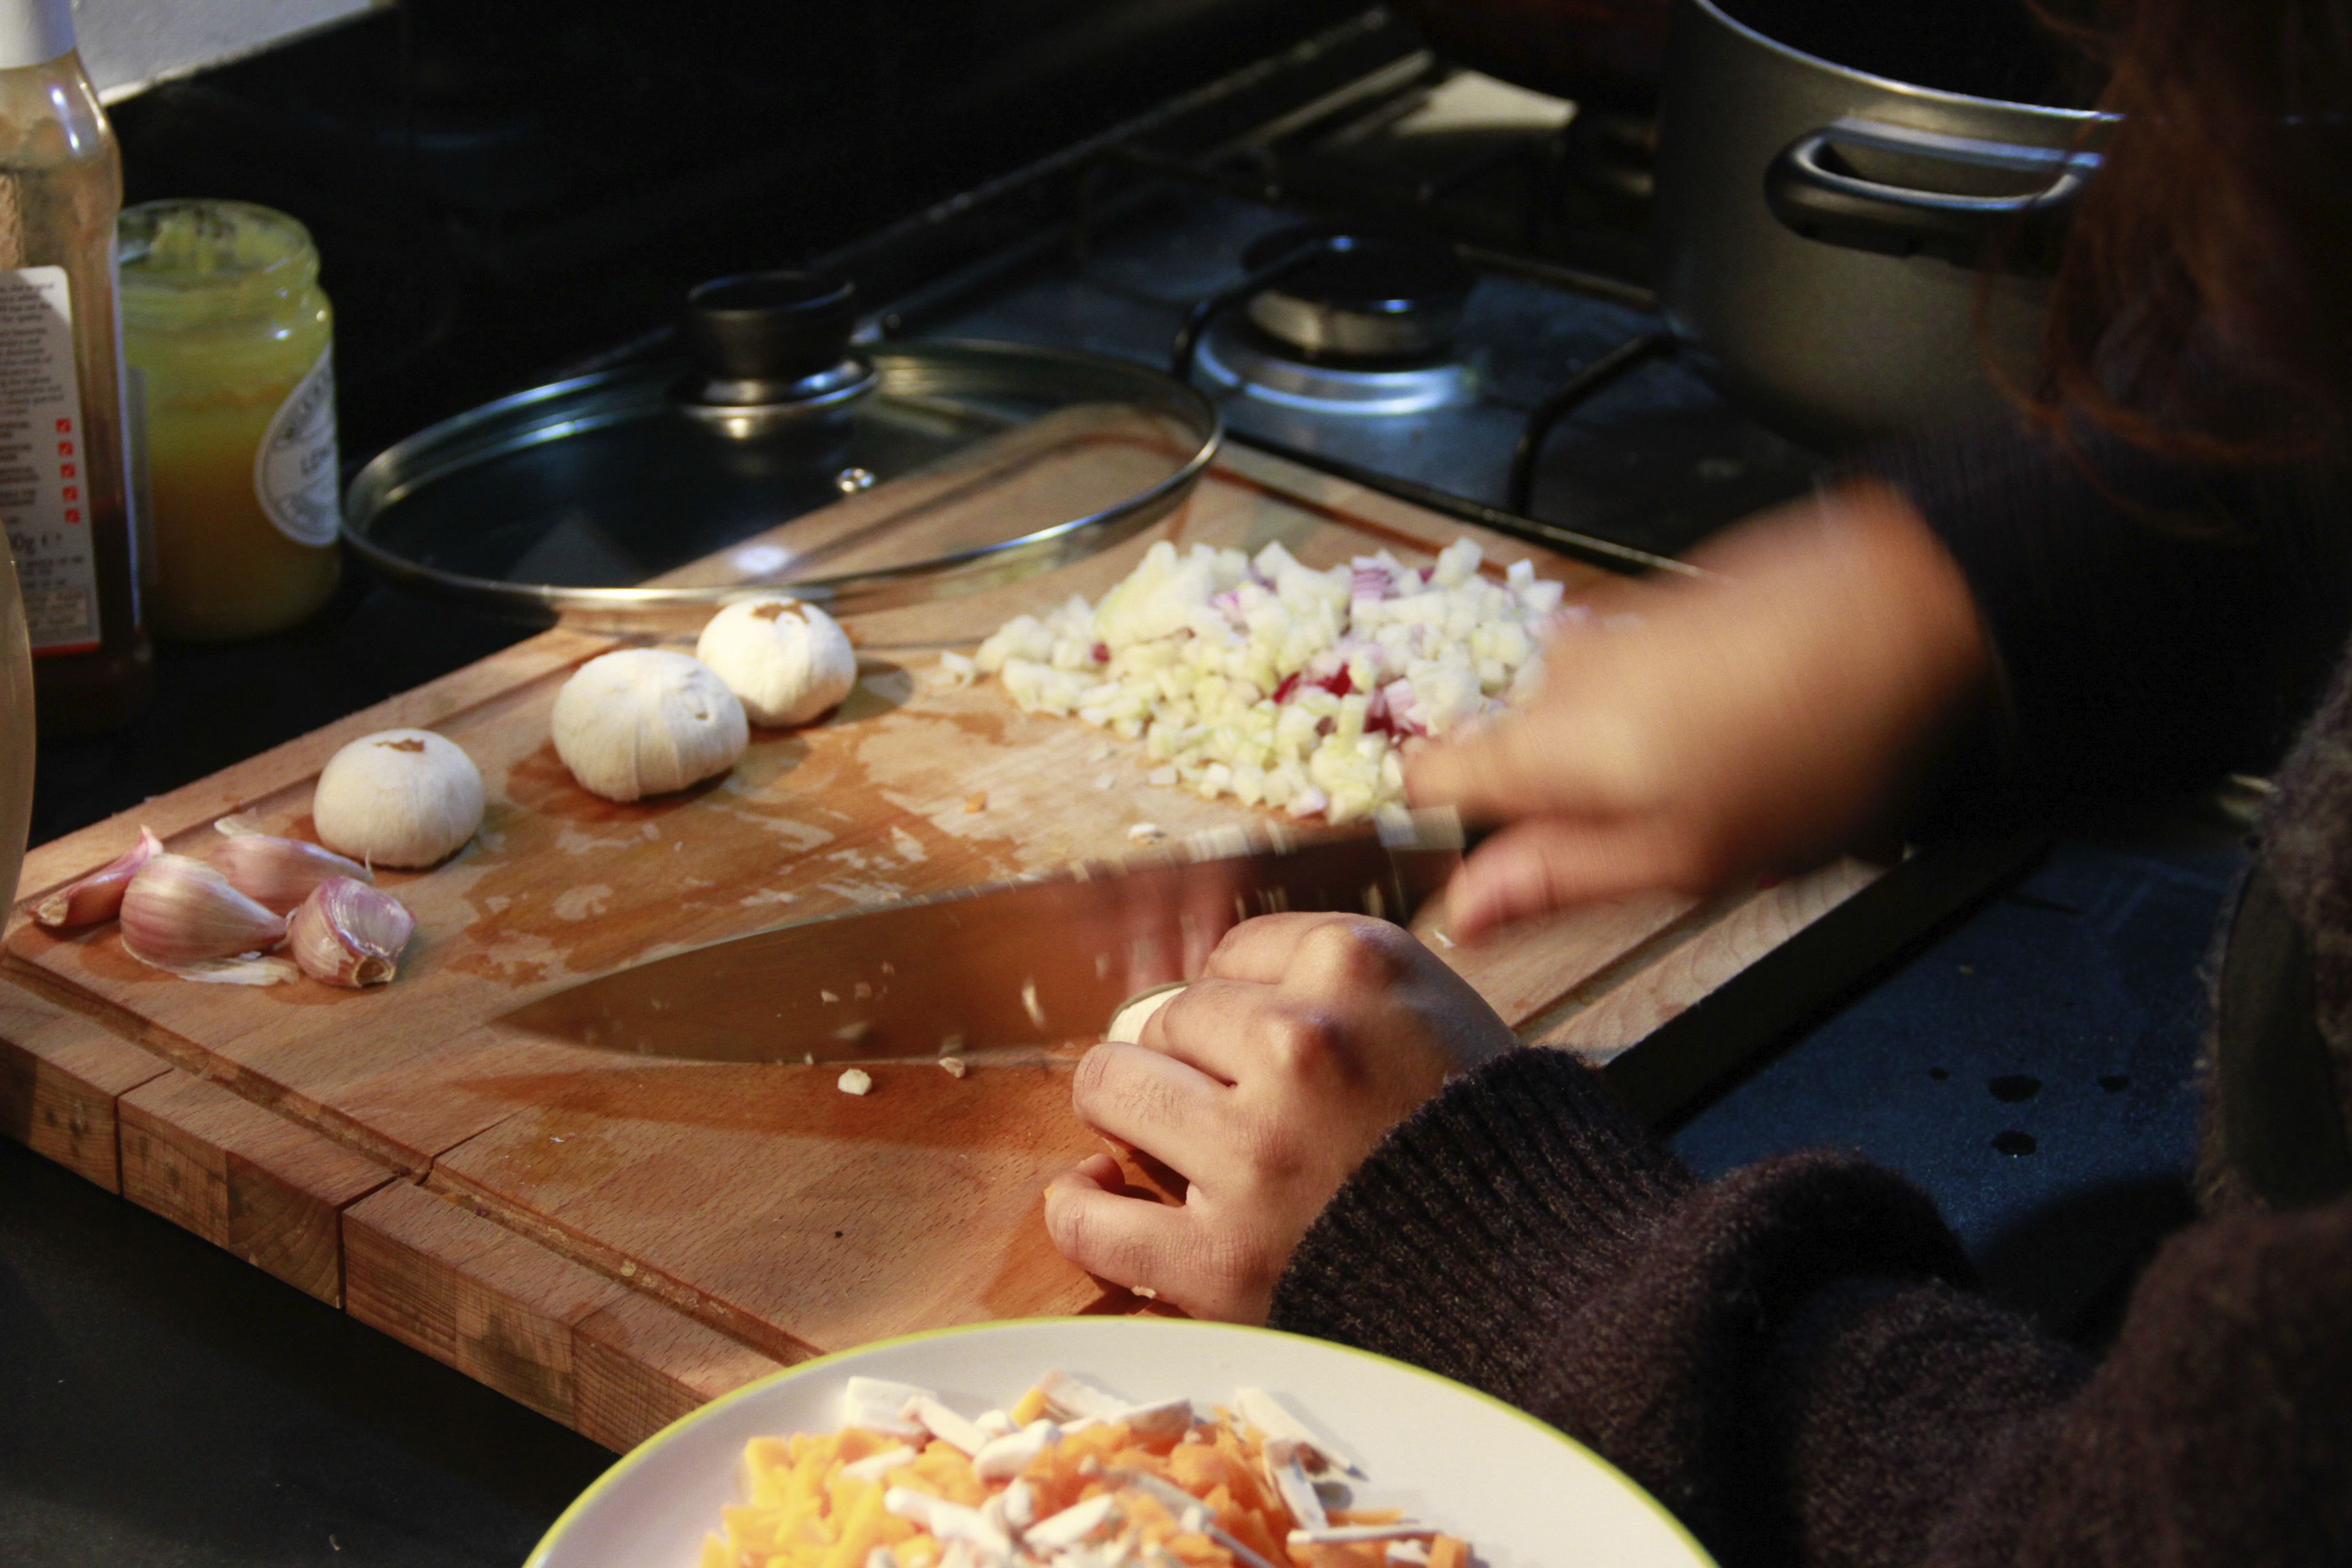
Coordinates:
1070 1477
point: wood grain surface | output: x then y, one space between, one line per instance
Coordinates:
611 1239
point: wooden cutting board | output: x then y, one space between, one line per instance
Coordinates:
613 1240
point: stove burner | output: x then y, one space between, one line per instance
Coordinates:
1362 297
1235 356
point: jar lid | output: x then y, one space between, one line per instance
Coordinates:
780 456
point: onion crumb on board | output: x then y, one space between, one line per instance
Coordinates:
1147 832
854 1080
976 801
955 1067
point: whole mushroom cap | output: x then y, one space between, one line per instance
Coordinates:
646 721
788 661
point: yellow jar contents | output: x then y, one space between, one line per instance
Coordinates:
229 339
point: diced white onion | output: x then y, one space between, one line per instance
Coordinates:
1263 678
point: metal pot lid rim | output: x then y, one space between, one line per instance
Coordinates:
615 397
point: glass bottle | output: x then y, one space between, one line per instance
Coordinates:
230 343
16 733
63 491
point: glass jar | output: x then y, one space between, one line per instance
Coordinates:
231 345
15 731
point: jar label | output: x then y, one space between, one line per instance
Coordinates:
43 483
296 466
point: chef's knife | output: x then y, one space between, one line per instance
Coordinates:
1034 961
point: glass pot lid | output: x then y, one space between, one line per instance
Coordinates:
780 456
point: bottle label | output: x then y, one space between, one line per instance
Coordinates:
44 490
296 466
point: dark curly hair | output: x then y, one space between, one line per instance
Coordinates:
2203 302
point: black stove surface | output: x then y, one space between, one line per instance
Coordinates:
1654 460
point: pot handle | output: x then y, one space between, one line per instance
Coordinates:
1813 199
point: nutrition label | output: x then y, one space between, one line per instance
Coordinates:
43 491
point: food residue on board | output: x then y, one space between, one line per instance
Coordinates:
854 1080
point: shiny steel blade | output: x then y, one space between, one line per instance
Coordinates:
1029 963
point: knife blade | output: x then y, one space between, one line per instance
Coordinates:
1037 961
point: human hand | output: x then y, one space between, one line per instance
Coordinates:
1755 722
1262 1085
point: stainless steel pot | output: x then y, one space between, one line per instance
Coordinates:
1821 226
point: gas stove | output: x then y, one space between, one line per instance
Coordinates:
1427 281
1422 285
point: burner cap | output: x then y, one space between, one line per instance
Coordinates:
1366 296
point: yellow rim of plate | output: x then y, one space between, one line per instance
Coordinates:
629 1460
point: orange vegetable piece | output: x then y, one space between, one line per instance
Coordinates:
1445 1551
1200 1467
1353 1555
1198 1550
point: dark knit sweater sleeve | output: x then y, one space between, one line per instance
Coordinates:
2156 622
1787 1358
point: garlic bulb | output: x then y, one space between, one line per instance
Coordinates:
279 873
787 661
646 721
399 797
97 896
180 911
347 933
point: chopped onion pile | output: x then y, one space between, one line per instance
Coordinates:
1265 679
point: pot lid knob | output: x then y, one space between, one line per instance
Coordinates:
770 327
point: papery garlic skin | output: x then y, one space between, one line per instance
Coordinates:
347 933
98 896
180 911
279 873
398 797
646 721
787 661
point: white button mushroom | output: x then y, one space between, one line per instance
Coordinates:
646 721
398 797
788 661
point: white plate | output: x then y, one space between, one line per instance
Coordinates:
1523 1495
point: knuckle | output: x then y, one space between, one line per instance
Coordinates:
1357 951
1091 1081
1269 1149
1069 1225
1298 1042
1112 1085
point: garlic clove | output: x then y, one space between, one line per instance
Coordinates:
279 873
399 797
347 933
98 896
179 911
